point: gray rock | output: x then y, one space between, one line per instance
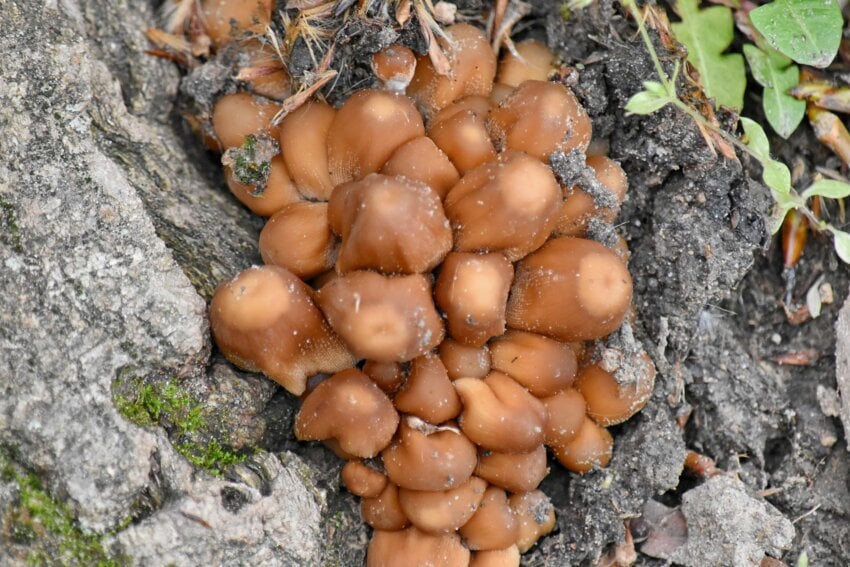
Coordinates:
842 364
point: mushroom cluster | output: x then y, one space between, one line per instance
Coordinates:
430 293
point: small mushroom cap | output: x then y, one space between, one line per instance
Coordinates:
534 63
565 414
362 480
543 365
350 408
590 448
539 118
472 291
464 138
571 289
445 510
609 402
298 238
476 104
499 414
265 320
237 115
387 375
263 71
384 511
382 318
425 457
428 393
410 547
464 361
389 224
580 206
515 472
508 557
304 145
230 20
279 190
535 515
509 205
394 67
473 66
367 130
493 526
421 160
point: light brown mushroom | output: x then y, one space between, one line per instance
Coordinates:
394 67
350 408
421 160
463 136
472 291
508 557
384 512
362 480
278 191
231 20
409 547
493 526
443 511
426 457
580 205
510 205
515 472
428 393
608 401
591 447
238 115
464 361
382 318
571 289
390 224
543 365
535 516
387 375
565 414
265 320
303 137
531 61
298 238
499 414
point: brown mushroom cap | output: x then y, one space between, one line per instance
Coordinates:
425 457
533 61
509 205
413 547
464 361
493 526
591 447
463 136
472 290
303 137
384 511
610 403
571 289
565 414
421 160
394 67
389 224
231 20
442 511
539 118
508 557
298 238
543 365
350 408
237 115
366 130
580 206
382 318
362 480
535 515
428 393
473 66
387 375
278 192
499 414
515 472
265 320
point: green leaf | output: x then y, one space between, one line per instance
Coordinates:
778 217
707 33
828 188
807 31
842 244
774 72
776 174
646 102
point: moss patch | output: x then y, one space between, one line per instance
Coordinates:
11 234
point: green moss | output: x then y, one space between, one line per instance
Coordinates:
12 232
211 456
249 168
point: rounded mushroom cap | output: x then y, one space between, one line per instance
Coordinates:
414 547
535 515
362 480
278 192
350 408
421 160
298 238
591 447
265 320
464 138
394 67
472 291
539 118
534 63
442 511
499 414
508 557
382 318
230 20
543 365
238 115
303 137
366 130
384 511
571 289
581 206
425 457
493 526
608 401
428 393
464 361
389 224
515 472
473 66
565 414
387 375
509 205
263 71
